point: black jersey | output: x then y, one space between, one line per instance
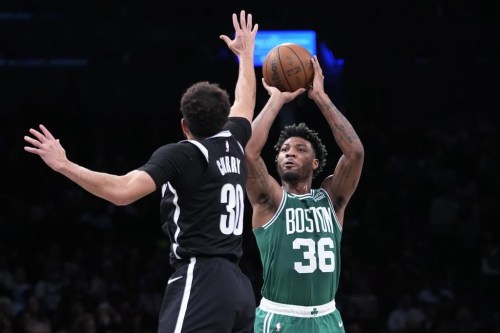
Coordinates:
203 187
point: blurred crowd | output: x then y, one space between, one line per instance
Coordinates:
421 239
421 247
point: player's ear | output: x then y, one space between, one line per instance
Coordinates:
185 128
315 164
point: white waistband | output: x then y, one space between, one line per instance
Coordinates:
297 310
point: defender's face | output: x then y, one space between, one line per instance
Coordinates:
296 159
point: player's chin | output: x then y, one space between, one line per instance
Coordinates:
289 175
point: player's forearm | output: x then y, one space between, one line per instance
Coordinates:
345 136
246 87
261 126
100 184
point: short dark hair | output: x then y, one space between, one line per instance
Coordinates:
301 130
205 107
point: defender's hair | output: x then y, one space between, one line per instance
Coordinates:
205 107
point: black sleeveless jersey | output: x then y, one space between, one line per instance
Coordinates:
203 187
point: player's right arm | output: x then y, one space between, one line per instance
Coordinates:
243 46
345 178
119 190
263 191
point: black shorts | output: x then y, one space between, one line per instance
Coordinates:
208 295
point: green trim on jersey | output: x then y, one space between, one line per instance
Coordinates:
300 250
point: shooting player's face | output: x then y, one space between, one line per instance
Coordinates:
296 159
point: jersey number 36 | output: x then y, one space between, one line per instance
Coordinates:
323 257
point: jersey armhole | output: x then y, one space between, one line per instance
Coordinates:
330 202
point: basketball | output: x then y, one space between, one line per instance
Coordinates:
288 67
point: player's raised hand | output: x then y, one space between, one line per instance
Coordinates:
245 32
318 85
47 147
284 95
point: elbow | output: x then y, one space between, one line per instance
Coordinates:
121 202
251 156
120 199
358 151
357 154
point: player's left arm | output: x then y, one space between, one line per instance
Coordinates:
117 189
243 46
345 178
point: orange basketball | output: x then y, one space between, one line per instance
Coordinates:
288 67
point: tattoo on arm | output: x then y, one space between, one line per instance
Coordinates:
343 130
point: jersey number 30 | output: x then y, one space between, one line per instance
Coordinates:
232 197
324 258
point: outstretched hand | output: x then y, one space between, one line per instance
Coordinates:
285 96
318 86
47 147
244 38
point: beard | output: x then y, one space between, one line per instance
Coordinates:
289 176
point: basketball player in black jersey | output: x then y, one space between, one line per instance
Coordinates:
201 180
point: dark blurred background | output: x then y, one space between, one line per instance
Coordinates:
421 246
